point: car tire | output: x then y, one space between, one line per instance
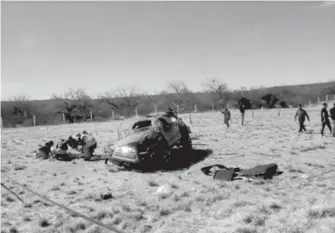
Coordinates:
160 153
186 142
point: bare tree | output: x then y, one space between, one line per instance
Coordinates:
21 106
124 98
75 104
109 98
219 91
178 87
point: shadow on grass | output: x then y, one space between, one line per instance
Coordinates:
179 160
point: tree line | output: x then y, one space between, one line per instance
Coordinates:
76 105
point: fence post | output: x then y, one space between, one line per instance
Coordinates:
318 100
195 108
278 112
253 114
135 111
34 120
91 115
113 116
190 116
63 115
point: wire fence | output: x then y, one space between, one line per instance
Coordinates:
35 120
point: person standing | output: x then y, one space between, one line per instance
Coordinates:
332 116
325 119
301 114
242 110
226 113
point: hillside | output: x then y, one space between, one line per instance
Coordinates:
46 110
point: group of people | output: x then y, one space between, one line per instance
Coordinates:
325 121
86 141
301 114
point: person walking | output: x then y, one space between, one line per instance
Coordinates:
242 110
332 116
226 113
325 119
301 114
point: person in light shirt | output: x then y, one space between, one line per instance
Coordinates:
87 141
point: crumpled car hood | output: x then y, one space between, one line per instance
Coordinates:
134 139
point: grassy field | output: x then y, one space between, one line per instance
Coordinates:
302 199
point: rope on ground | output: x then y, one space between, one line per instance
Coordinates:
8 189
110 228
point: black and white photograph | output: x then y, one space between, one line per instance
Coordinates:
167 116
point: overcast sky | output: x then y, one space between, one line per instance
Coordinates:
49 47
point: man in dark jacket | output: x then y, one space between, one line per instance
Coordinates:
301 114
332 116
325 119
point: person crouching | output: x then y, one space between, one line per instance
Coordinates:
44 152
61 151
87 141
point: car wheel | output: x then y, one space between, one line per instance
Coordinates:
186 142
160 154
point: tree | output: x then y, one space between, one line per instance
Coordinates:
126 98
181 94
178 87
218 90
75 106
270 100
245 102
21 106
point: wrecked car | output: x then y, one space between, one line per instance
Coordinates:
150 139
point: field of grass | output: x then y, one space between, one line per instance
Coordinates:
300 200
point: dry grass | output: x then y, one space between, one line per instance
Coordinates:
300 200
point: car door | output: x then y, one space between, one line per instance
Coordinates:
172 134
